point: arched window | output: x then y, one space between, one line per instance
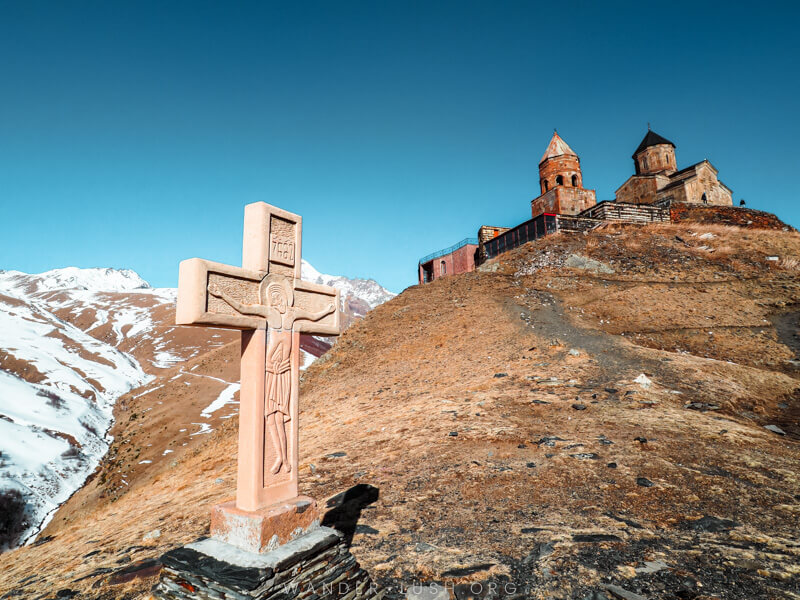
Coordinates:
559 180
545 185
705 200
443 268
574 181
644 163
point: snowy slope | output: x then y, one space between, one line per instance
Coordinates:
58 383
72 341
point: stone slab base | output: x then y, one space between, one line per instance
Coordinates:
315 565
265 529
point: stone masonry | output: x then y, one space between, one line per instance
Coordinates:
561 182
315 565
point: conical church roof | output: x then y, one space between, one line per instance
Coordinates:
556 147
652 139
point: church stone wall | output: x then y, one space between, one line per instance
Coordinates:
638 190
566 166
563 201
656 158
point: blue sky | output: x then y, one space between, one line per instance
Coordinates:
133 133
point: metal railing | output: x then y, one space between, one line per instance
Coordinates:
461 244
529 230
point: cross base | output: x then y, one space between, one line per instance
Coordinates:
265 529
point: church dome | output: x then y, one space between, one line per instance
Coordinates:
651 139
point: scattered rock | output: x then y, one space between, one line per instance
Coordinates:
541 550
219 480
152 535
577 261
701 406
336 455
574 352
622 593
643 381
775 429
499 375
593 538
530 465
640 439
611 390
622 519
453 434
652 566
612 465
578 406
644 482
549 440
423 547
711 524
585 456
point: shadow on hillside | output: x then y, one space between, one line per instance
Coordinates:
344 509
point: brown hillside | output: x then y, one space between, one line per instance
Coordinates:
503 416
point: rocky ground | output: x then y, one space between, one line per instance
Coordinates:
611 415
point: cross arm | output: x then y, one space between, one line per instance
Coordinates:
313 303
196 306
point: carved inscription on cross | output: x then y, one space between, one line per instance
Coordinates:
268 301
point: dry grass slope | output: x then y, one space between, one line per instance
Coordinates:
503 418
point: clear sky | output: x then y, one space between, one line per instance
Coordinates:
133 133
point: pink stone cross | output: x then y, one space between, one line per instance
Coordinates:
266 299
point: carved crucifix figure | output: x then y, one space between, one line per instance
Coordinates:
271 305
276 299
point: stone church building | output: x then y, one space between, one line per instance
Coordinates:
658 179
564 204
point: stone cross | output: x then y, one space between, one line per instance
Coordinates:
266 299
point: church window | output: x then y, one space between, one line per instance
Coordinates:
559 180
644 162
443 268
705 200
545 184
574 181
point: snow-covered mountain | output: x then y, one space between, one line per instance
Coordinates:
72 341
73 278
368 291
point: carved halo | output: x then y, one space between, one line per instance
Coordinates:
278 280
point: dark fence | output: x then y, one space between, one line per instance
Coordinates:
529 230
